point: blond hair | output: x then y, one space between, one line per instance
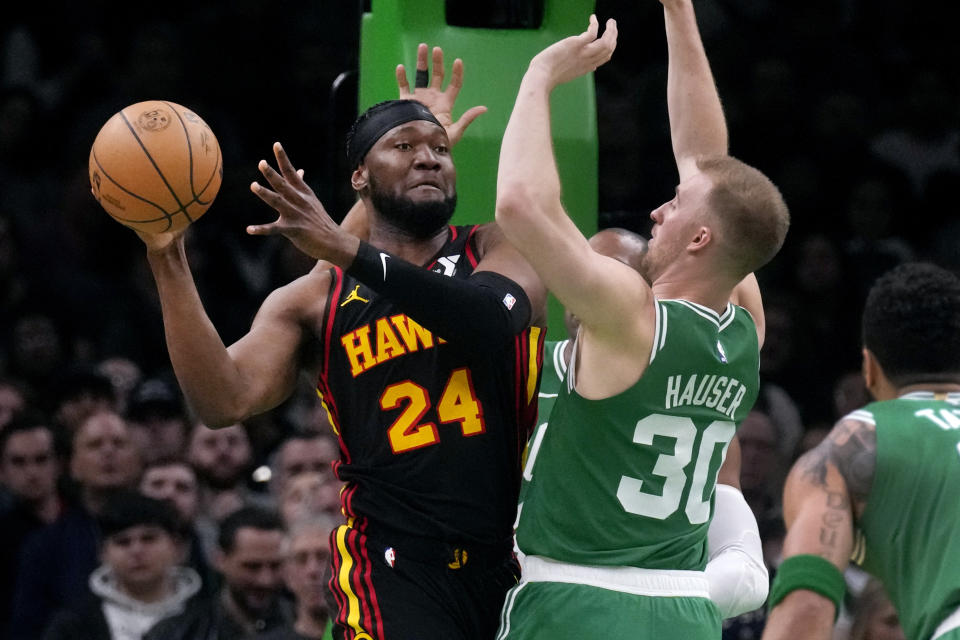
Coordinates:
750 213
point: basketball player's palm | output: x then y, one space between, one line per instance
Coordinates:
440 101
577 55
157 242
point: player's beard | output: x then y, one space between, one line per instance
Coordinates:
418 220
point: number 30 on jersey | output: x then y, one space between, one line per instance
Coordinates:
671 467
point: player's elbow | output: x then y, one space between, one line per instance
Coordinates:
513 197
517 207
738 582
219 410
217 417
756 590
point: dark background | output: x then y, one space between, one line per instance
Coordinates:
850 106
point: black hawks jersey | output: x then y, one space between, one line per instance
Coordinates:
431 434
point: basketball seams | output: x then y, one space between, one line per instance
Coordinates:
216 166
146 152
166 215
186 136
106 175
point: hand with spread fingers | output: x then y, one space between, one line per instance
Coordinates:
430 91
577 55
302 218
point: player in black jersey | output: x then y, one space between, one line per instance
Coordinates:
425 340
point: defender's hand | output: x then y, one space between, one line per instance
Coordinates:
577 55
440 101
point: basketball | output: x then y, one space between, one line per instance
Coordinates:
155 166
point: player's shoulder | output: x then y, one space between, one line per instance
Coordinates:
487 235
305 296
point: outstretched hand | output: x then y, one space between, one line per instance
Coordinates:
302 218
577 55
440 101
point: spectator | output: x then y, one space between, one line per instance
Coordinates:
223 460
874 617
309 495
83 391
139 582
156 416
12 400
306 566
37 350
250 559
29 471
760 466
300 454
56 561
175 481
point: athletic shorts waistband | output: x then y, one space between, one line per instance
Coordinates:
641 582
949 623
451 554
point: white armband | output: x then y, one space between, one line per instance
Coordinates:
736 571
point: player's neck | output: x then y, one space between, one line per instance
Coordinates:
704 291
695 281
415 250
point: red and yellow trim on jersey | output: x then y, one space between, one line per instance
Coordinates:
534 362
323 390
528 364
358 609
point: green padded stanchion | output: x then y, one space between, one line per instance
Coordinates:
494 62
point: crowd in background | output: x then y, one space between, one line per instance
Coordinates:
851 107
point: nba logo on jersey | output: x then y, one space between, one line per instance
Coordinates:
390 556
723 354
509 301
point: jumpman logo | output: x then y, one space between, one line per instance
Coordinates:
353 296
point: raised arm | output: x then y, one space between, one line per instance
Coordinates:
826 489
697 125
593 287
430 91
747 295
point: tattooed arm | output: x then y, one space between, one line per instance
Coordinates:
825 494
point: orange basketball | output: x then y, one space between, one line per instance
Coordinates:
155 166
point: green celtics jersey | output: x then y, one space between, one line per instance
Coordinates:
911 525
629 480
551 378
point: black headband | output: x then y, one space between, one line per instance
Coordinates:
379 119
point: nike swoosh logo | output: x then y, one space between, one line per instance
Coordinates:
383 261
